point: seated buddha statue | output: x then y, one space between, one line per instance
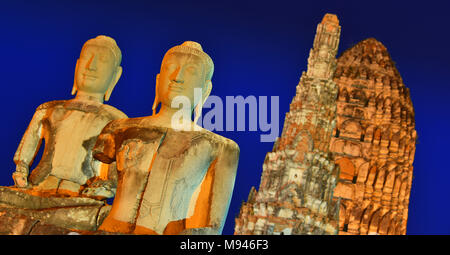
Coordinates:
172 178
67 175
70 128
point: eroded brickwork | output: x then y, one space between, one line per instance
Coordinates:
296 191
373 143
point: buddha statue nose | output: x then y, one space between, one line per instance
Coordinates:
177 76
92 64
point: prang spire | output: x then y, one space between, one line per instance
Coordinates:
322 57
295 195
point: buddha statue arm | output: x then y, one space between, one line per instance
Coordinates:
28 148
104 151
224 173
105 147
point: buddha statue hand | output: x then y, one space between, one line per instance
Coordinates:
100 189
199 231
20 179
20 176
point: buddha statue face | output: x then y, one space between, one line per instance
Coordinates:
186 70
98 68
181 74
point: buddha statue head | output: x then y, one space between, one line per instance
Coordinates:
184 69
98 68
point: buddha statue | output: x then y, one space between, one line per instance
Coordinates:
70 129
172 178
68 188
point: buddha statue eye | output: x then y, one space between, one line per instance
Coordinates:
103 58
170 66
192 70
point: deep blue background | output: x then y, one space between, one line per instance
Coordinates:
259 48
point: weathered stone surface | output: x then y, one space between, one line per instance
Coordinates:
296 191
46 229
374 141
76 213
15 224
28 199
79 217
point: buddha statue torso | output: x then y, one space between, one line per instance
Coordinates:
70 129
164 166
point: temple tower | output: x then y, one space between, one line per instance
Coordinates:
299 175
373 142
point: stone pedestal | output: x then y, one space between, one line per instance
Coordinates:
24 212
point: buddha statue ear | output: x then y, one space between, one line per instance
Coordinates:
113 83
74 88
207 90
156 101
198 108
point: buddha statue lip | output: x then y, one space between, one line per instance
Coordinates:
175 87
89 76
